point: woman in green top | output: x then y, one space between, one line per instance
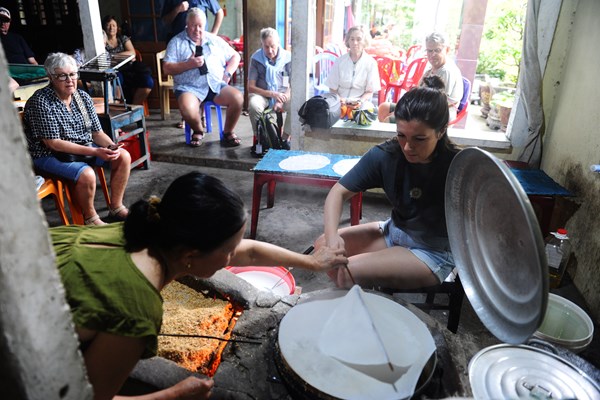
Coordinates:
113 274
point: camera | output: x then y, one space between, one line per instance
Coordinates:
203 69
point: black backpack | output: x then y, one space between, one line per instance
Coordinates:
268 133
321 111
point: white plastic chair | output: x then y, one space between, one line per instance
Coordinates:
322 63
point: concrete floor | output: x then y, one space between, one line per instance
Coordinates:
294 222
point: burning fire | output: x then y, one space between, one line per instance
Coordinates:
191 313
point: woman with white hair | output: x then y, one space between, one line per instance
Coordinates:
65 139
354 75
269 79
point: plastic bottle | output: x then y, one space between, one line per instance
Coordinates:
558 250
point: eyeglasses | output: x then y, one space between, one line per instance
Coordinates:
63 77
432 51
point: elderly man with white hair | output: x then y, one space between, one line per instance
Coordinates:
440 65
437 49
269 80
202 65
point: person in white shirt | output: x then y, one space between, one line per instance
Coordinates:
354 75
437 49
202 65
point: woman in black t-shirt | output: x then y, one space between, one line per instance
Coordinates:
411 248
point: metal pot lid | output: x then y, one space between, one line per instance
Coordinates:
497 245
521 372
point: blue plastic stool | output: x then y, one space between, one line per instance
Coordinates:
208 117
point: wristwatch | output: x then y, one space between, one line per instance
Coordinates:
228 74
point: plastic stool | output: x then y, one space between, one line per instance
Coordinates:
208 117
54 188
76 211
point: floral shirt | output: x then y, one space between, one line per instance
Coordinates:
217 54
120 47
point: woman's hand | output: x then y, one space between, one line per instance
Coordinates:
329 257
193 388
335 241
107 154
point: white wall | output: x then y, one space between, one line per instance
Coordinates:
572 139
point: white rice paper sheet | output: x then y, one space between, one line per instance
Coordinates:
359 329
304 162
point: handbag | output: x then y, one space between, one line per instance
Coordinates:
321 111
69 157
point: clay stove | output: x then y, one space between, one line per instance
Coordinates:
250 370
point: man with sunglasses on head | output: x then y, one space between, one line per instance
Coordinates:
437 49
16 49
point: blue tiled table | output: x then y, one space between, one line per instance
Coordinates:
268 170
541 190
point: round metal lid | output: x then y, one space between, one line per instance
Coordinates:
497 245
523 372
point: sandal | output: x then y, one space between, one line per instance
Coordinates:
94 220
230 140
180 124
115 214
196 140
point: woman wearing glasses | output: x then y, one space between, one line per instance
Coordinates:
65 139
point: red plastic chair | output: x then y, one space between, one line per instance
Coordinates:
413 53
238 45
464 102
227 39
386 68
413 74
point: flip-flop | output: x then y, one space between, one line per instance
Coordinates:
196 139
231 140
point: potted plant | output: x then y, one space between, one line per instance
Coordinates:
503 103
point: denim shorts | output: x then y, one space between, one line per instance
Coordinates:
440 262
67 170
